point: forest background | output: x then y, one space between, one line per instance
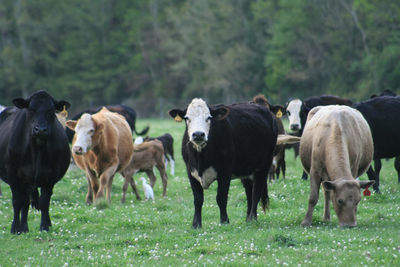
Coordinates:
156 54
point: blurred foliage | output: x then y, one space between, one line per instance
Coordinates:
109 51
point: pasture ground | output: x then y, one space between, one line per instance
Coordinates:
146 233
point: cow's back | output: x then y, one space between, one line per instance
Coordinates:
118 136
253 133
336 140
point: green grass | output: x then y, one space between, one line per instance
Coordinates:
159 233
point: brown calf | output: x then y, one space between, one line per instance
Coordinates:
145 157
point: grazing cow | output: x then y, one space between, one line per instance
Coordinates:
145 157
102 146
381 113
278 161
34 153
297 111
128 113
335 148
168 144
223 142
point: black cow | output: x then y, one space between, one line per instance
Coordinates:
168 144
34 152
298 110
382 115
221 142
127 112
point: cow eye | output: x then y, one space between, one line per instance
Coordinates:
341 202
208 118
288 112
91 131
186 119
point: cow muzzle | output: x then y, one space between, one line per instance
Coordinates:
295 127
40 131
77 150
199 140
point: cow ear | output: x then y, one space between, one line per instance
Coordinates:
177 114
61 105
20 103
71 124
328 185
219 113
278 110
365 183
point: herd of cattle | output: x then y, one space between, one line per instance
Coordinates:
335 139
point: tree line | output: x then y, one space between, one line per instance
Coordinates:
121 51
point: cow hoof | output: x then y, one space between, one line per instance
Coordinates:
306 224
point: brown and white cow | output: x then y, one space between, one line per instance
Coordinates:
145 157
102 145
335 148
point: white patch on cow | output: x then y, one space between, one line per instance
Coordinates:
83 131
293 111
208 177
198 121
2 108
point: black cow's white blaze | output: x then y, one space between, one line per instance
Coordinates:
198 122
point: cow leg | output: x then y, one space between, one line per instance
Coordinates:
378 167
372 176
93 186
315 183
258 187
164 178
397 167
222 198
248 187
109 186
129 180
44 203
106 182
327 212
20 201
152 177
304 176
172 162
198 199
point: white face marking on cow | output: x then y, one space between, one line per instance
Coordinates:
84 131
293 111
198 120
208 177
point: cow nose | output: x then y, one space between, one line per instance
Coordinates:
40 130
198 136
294 127
77 149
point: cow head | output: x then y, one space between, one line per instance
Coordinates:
41 108
293 109
198 117
87 133
345 197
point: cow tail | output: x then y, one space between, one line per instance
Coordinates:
144 131
264 197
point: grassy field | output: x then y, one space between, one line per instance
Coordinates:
146 233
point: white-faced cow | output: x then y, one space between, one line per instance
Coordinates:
102 145
382 115
297 111
224 142
128 113
335 148
34 153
